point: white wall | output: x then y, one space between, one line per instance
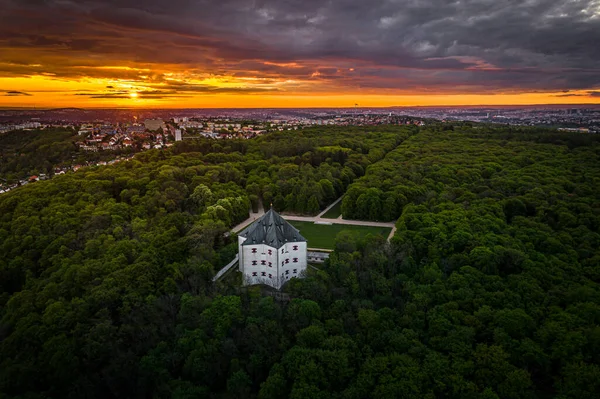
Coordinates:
282 263
240 253
252 267
286 270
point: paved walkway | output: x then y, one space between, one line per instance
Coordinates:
329 207
224 270
250 220
316 219
392 233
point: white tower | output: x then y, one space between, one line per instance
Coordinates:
271 251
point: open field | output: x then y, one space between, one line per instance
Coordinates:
334 212
323 236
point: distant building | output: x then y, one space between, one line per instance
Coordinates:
271 251
154 124
178 135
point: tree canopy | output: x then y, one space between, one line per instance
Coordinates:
489 289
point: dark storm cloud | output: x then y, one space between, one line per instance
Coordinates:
11 93
588 94
176 90
431 45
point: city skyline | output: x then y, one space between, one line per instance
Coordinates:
238 54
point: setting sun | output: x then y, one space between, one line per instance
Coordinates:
133 94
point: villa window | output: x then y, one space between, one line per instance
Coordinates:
270 264
287 272
270 252
253 250
254 274
263 262
287 261
295 260
281 250
270 276
295 271
263 274
295 247
254 263
282 262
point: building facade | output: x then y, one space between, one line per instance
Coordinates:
271 251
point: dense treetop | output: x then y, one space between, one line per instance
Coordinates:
488 290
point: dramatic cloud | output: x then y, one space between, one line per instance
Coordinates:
11 93
185 47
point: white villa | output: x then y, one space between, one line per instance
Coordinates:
271 251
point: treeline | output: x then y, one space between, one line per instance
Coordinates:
502 165
298 172
306 173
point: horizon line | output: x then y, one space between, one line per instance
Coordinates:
567 105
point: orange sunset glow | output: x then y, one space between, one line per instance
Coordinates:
181 54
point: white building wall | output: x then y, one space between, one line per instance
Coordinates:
259 266
292 262
274 268
240 252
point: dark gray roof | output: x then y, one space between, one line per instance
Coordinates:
271 229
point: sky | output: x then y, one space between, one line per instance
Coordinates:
298 53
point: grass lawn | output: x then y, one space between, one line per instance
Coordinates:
334 212
323 236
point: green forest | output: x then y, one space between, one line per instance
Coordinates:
489 289
25 153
